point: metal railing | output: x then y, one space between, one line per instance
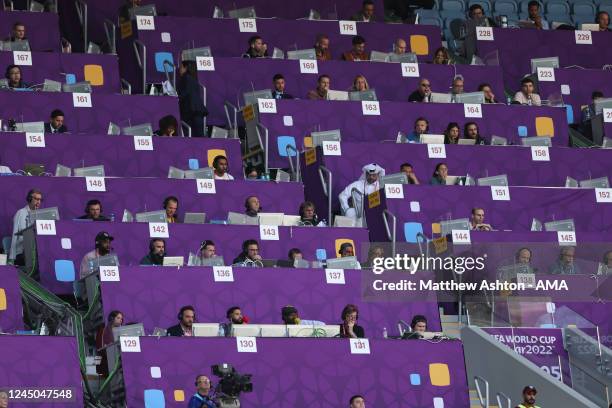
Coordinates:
484 401
81 9
127 85
110 29
327 190
295 169
184 125
139 48
391 232
169 64
507 402
232 117
263 142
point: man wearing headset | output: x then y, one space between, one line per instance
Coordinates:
93 211
249 255
23 219
171 206
357 401
421 127
234 316
103 248
201 398
56 123
186 318
308 214
220 166
157 251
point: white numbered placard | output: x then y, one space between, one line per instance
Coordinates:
461 237
500 193
45 227
246 344
410 69
35 139
566 237
266 105
309 66
145 23
607 115
81 100
603 195
95 183
223 274
546 74
472 110
394 191
205 63
348 27
158 230
436 151
130 344
360 346
583 37
143 143
268 232
247 25
484 34
331 148
109 274
22 58
206 186
335 276
540 153
370 107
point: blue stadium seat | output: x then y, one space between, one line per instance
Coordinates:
524 6
557 7
160 57
584 19
435 21
283 142
449 16
505 7
583 9
426 13
411 229
454 5
559 18
605 7
486 5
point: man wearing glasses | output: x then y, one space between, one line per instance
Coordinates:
21 221
423 92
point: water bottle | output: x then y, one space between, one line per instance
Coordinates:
384 332
112 217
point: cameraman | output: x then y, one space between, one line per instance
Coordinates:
201 399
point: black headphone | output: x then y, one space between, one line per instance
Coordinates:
30 194
206 243
90 203
246 244
154 240
344 246
6 73
168 199
188 307
216 161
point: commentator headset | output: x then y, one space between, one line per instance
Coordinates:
168 199
183 309
30 195
90 203
215 162
153 241
315 217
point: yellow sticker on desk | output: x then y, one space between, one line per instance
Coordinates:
374 199
310 156
440 245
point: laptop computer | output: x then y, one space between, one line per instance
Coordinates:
333 95
173 261
62 171
51 86
175 173
91 171
307 54
194 218
151 216
145 129
130 330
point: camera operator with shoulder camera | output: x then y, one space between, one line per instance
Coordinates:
201 398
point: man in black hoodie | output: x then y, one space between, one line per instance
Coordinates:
157 250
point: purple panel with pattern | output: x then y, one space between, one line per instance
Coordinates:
42 29
132 241
261 293
285 374
10 300
117 153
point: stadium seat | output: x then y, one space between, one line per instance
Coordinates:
411 229
340 241
505 7
452 5
557 8
435 21
160 58
524 6
485 4
64 270
559 18
283 142
605 7
584 9
584 19
427 13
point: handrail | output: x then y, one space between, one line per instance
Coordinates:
167 64
128 86
264 144
484 402
204 98
327 190
361 196
507 398
295 170
81 9
392 235
185 125
141 61
425 240
110 29
232 124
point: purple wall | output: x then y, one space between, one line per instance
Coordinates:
42 29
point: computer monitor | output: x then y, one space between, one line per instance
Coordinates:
467 142
601 182
302 330
347 262
34 169
151 216
342 221
51 86
602 103
301 263
93 48
271 218
144 10
291 220
105 260
325 136
234 218
333 95
407 57
250 98
205 329
130 330
78 87
246 330
127 216
62 171
194 218
30 127
246 12
282 176
175 173
51 213
431 139
379 56
536 141
501 180
549 62
589 27
499 141
571 182
277 53
212 261
447 227
273 330
219 133
145 129
470 97
536 225
173 261
113 129
92 171
328 330
4 83
19 45
202 173
395 178
369 95
561 225
192 53
437 97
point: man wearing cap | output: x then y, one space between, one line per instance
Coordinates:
367 184
103 247
529 393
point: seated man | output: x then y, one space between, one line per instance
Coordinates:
457 87
470 131
323 84
489 96
308 215
102 248
56 124
22 220
419 324
527 96
220 166
409 170
171 206
423 92
295 254
14 78
399 47
346 249
186 318
93 211
249 255
588 112
279 88
367 184
207 249
291 316
252 206
477 13
477 220
167 126
520 263
357 401
202 399
603 19
533 8
367 12
234 316
440 175
157 251
322 48
19 32
357 53
257 48
565 265
421 127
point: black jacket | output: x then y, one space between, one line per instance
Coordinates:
176 331
151 259
62 129
190 98
358 330
284 95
